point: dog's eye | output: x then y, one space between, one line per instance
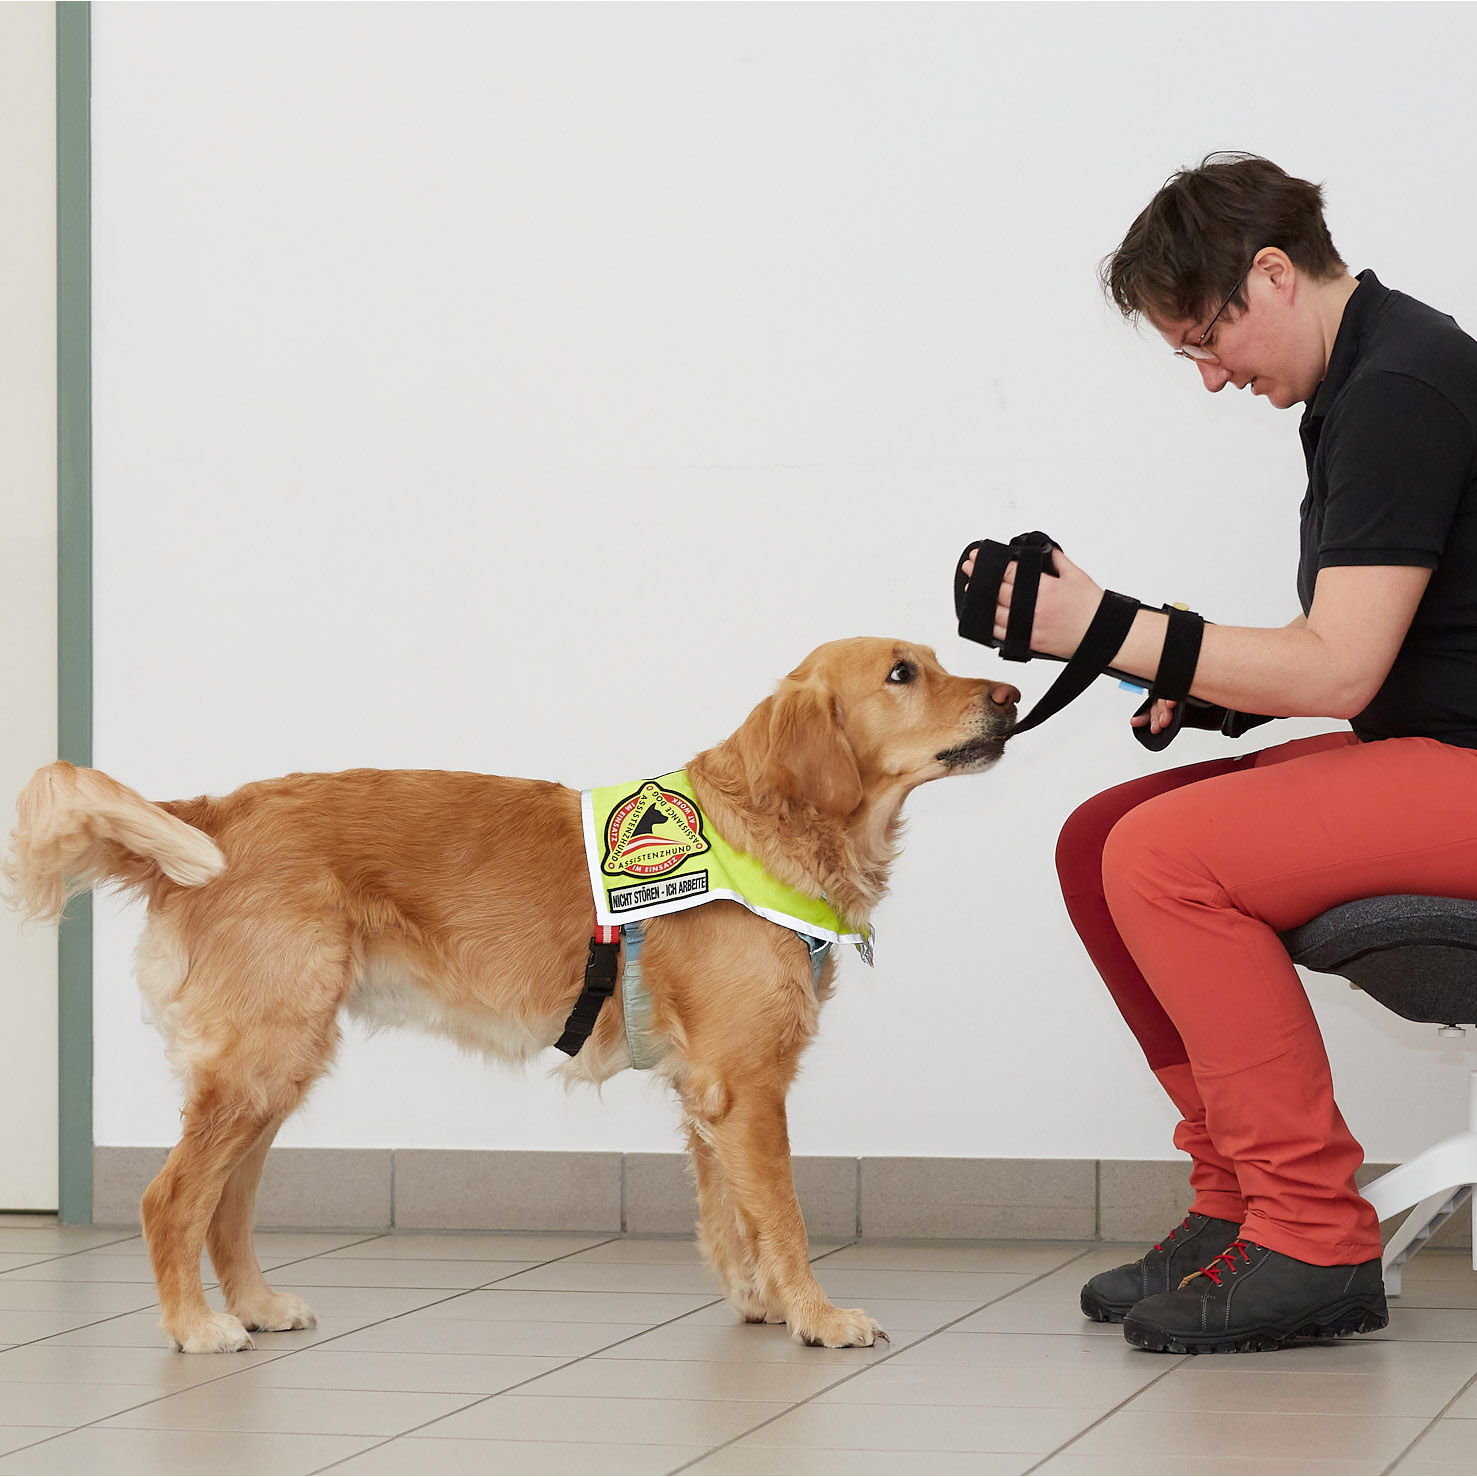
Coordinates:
903 672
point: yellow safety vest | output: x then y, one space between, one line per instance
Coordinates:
651 850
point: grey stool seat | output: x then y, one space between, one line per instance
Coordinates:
1418 957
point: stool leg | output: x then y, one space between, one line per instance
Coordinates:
1417 1228
1438 1182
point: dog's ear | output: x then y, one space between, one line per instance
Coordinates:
809 760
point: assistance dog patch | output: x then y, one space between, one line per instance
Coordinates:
651 850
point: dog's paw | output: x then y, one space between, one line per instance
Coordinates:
744 1299
276 1313
838 1328
220 1333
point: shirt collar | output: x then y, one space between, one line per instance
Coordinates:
1360 312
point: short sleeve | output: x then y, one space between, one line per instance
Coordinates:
1397 455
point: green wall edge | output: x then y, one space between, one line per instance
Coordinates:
74 575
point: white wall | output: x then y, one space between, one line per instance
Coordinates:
28 979
421 328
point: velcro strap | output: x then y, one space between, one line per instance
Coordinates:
976 598
1031 557
1108 630
975 595
600 974
1177 660
1180 654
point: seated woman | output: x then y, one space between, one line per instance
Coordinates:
1179 883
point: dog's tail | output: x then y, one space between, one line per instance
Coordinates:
79 828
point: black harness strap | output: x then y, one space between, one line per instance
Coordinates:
600 977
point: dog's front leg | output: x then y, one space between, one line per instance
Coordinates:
751 1142
723 1237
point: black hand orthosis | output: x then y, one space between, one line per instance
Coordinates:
975 599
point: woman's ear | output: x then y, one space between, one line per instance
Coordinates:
809 760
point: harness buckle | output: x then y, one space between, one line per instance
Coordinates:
601 969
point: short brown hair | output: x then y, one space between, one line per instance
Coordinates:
1197 237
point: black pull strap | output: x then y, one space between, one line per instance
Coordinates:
1107 631
600 975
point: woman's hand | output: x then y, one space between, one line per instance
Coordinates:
1065 606
1158 717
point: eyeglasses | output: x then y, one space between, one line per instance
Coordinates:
1197 350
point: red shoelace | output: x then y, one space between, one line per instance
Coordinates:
1239 1244
1184 1225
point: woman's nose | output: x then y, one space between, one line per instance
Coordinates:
1215 377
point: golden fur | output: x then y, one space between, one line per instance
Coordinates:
460 903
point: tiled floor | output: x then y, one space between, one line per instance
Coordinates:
523 1353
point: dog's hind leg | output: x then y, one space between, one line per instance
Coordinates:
229 1241
722 1236
220 1129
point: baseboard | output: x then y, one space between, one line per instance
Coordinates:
514 1190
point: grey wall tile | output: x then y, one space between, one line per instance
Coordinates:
325 1189
1053 1199
660 1197
1118 1200
1141 1199
507 1190
120 1176
827 1188
301 1189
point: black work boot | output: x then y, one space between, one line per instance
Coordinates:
1250 1298
1191 1244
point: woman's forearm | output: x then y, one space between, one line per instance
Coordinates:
1285 672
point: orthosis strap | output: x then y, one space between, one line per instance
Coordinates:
975 600
599 986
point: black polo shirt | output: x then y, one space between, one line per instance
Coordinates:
1391 443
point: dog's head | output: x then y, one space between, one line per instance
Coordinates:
867 718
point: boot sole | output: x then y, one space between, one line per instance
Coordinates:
1338 1320
1101 1311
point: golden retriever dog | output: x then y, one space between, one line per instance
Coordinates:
461 904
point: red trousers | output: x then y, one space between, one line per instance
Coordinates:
1179 884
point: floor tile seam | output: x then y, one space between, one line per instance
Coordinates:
551 1261
98 1422
532 1266
845 1246
482 1399
57 1256
365 1240
877 1364
54 1257
452 1294
78 1327
1107 1415
1431 1424
354 1455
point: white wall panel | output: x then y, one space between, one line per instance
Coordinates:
420 330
